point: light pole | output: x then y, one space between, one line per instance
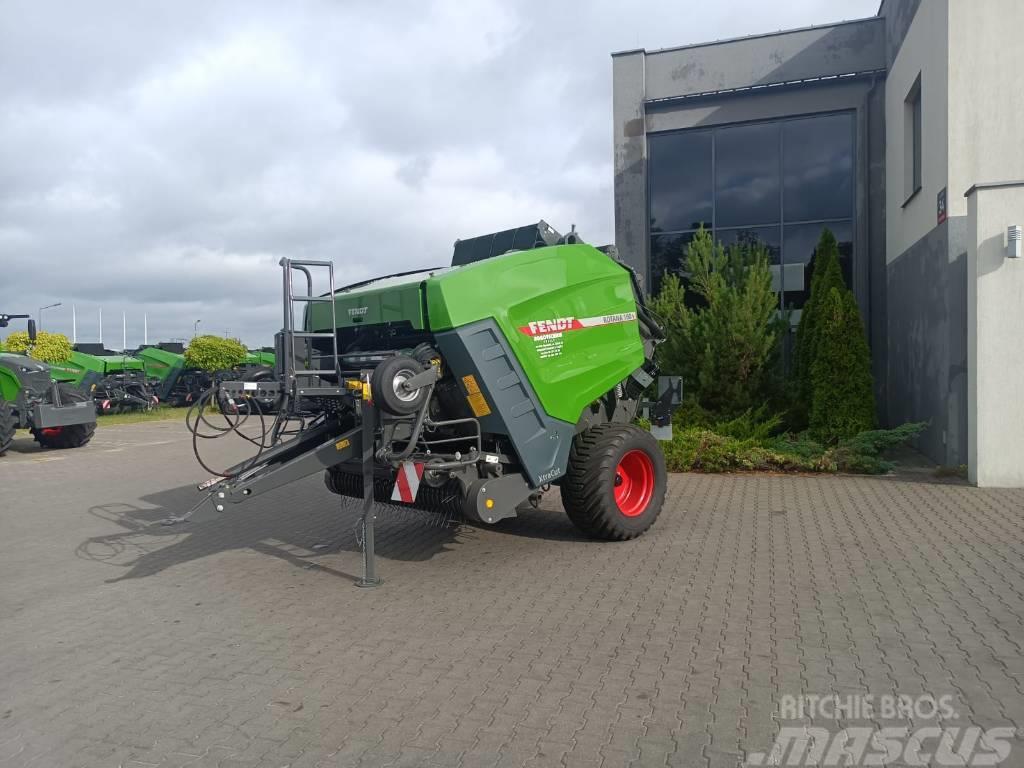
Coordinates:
195 328
40 315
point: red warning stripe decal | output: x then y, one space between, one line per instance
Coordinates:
560 324
407 482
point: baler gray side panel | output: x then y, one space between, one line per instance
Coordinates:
541 442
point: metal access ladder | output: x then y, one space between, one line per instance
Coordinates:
307 381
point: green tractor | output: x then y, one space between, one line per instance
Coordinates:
477 387
57 415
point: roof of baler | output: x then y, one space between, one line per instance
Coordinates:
392 281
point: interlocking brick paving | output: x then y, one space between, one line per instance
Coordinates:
238 639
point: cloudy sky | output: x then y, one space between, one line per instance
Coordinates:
160 157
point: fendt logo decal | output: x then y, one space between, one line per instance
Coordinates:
560 324
358 311
542 327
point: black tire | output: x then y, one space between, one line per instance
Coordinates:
590 485
386 378
8 426
73 436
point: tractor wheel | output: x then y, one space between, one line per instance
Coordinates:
8 426
615 483
386 383
73 436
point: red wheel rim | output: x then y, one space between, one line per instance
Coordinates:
52 431
634 483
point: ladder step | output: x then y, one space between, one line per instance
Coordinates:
312 299
312 334
305 263
315 372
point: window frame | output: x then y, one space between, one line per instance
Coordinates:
913 129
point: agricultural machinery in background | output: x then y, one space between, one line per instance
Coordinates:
57 415
474 388
116 381
178 384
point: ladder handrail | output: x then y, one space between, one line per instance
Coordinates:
292 372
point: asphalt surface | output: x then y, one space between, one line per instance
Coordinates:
239 639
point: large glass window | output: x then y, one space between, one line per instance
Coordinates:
680 179
801 242
747 175
817 171
779 183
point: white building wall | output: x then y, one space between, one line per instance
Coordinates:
924 52
986 98
995 308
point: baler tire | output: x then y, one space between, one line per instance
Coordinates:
73 436
8 426
595 472
383 385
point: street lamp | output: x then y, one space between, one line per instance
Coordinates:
195 328
40 315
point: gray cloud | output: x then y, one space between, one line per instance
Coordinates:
161 157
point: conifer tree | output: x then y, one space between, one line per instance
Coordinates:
827 275
843 402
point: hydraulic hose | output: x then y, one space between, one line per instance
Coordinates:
196 419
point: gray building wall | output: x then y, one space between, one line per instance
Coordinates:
926 277
927 341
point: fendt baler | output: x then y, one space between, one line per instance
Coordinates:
483 384
116 381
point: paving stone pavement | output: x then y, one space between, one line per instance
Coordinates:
238 640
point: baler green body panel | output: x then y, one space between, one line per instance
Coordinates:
260 357
567 311
75 368
159 362
388 300
66 373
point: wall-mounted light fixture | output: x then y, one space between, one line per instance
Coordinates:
1013 241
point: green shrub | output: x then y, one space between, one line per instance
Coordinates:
213 353
698 449
48 347
725 349
827 275
702 450
752 424
843 396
